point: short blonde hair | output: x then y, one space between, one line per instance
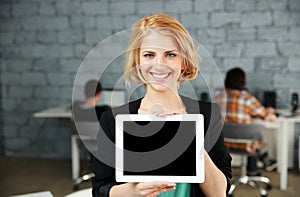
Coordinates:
166 25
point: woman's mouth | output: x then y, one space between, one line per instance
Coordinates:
160 76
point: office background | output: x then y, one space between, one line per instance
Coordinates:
44 42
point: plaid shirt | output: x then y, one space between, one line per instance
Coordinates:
240 106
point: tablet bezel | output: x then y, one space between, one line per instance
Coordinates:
119 153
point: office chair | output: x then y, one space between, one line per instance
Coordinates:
86 135
246 140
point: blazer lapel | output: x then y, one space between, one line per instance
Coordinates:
192 106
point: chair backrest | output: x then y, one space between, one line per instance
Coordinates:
243 131
87 132
87 129
243 138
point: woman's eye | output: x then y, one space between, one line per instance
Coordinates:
171 55
148 55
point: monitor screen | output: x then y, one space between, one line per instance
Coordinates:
113 97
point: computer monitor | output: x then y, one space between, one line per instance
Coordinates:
113 97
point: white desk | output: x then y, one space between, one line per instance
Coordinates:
285 126
64 111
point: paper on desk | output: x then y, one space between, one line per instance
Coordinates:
37 194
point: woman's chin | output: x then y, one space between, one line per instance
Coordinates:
160 87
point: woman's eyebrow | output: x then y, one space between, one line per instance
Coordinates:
170 51
147 51
152 51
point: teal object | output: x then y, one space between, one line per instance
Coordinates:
182 190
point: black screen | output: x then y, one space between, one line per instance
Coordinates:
142 137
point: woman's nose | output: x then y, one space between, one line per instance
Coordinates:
160 60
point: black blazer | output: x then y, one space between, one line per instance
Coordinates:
214 144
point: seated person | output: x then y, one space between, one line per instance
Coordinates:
241 107
89 109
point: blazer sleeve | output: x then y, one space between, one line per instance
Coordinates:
214 144
222 159
103 163
219 152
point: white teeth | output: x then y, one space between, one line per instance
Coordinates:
160 76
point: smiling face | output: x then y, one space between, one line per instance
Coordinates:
160 62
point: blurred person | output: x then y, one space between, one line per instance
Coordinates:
88 112
242 107
89 109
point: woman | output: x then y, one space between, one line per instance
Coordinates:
161 55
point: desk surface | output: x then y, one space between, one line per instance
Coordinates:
286 113
63 111
285 116
268 124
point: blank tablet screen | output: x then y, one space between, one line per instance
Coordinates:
155 135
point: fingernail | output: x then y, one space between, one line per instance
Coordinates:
171 184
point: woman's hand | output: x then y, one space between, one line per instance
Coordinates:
168 113
145 189
151 189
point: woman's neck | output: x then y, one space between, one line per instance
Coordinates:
155 101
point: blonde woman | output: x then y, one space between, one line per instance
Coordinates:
161 55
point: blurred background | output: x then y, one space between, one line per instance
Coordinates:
42 44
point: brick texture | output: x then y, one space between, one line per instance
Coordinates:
43 43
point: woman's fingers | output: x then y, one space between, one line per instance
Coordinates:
155 185
149 189
156 193
168 113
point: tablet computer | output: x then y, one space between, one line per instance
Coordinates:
151 148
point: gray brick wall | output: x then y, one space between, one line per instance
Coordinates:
42 44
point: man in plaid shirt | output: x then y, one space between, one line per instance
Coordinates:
241 107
